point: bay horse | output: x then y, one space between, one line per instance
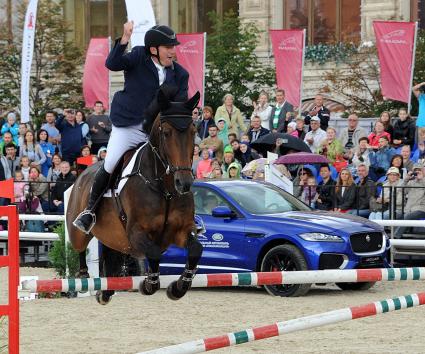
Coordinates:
157 202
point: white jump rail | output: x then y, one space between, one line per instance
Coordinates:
42 217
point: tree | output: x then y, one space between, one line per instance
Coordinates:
55 76
232 65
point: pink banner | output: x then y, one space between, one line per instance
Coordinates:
96 75
191 55
288 50
395 44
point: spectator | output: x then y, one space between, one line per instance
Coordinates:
366 190
7 139
325 190
231 114
300 181
315 136
292 129
234 171
419 155
247 154
196 158
405 153
39 187
204 165
100 127
80 118
23 128
237 151
319 110
48 149
65 180
85 151
223 132
19 188
11 126
350 136
380 160
4 175
215 165
262 109
279 117
244 138
345 191
231 137
385 119
377 133
257 130
415 206
32 149
228 158
52 131
330 147
397 161
25 167
300 127
54 170
309 193
404 129
206 122
418 91
213 144
12 160
71 136
101 154
360 154
383 207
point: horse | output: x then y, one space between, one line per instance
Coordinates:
156 204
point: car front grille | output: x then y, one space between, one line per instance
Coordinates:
367 242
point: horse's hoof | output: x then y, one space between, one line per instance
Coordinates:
103 298
173 291
148 289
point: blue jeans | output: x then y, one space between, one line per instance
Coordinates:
414 215
364 213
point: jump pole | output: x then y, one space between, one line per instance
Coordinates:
302 323
233 279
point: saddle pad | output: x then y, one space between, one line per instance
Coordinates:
127 170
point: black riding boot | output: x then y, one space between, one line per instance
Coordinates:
87 218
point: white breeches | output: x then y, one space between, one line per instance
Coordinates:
121 140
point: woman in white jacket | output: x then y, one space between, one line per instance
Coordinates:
262 109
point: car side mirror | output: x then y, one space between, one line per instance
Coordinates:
223 212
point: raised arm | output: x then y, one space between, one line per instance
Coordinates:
416 89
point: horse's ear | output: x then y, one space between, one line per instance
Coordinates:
163 101
193 102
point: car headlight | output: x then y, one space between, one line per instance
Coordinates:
321 237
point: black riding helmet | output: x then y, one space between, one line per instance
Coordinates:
160 35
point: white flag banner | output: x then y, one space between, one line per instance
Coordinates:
27 53
141 13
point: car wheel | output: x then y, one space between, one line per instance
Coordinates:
285 258
356 286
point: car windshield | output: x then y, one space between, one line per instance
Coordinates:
257 198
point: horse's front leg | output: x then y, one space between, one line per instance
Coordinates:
177 289
151 284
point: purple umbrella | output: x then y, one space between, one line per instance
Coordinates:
301 158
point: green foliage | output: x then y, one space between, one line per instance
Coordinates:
57 254
55 77
232 65
322 53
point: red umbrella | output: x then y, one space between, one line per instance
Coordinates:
301 158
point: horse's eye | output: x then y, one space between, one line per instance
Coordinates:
167 133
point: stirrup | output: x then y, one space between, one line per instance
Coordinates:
78 224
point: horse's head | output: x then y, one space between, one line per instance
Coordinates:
173 134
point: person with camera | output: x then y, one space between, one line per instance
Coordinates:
315 136
319 110
414 209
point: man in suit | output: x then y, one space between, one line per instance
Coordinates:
279 117
145 70
319 110
256 131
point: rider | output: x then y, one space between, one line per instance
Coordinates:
146 68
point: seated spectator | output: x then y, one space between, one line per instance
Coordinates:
380 160
415 206
12 159
315 136
80 118
351 135
231 137
215 164
223 131
54 170
48 149
244 138
237 151
204 165
20 187
101 154
404 130
292 129
12 127
366 190
196 158
330 147
377 134
213 144
228 158
300 181
325 189
23 128
32 149
204 124
38 187
405 153
7 139
397 161
359 155
234 171
85 151
309 193
65 180
385 119
247 154
319 110
382 207
25 167
345 192
262 109
256 130
419 155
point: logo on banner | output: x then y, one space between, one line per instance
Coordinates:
97 50
288 44
189 47
394 37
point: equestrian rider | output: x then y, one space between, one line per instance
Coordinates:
146 68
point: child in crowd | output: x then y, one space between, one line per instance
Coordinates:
25 167
101 154
19 187
204 165
309 194
222 131
11 126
